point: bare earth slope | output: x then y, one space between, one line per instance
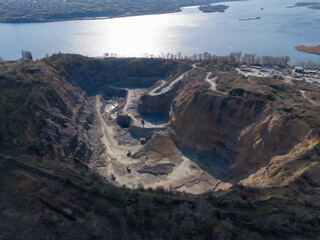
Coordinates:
245 128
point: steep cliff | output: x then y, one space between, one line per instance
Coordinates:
248 127
92 73
42 114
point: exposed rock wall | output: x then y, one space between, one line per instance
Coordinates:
156 105
91 73
246 133
53 118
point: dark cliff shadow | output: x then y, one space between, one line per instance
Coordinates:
214 165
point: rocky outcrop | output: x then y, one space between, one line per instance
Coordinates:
159 169
92 73
53 118
156 105
246 133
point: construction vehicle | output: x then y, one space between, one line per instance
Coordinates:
112 177
143 140
128 169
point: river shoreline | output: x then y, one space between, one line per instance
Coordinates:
96 15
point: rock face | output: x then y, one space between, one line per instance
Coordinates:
50 116
156 105
159 169
91 73
245 132
124 120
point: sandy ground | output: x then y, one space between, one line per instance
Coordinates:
157 163
131 108
166 89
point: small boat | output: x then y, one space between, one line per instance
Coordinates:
249 18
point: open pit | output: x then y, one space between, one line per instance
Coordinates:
72 134
143 113
196 132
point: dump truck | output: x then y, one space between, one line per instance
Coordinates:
112 177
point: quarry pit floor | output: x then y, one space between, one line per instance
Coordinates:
159 162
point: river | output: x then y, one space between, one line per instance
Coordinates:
190 31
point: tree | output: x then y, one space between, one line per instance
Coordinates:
204 211
206 56
249 59
235 57
26 56
147 204
185 209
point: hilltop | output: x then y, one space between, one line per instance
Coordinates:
226 155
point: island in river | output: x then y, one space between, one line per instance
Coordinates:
22 11
313 5
213 8
309 49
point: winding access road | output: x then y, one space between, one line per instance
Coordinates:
213 83
303 93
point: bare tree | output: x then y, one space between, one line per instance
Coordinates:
206 56
204 211
184 209
312 65
195 57
235 57
187 226
249 59
26 56
146 203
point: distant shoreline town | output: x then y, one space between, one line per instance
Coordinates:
27 11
